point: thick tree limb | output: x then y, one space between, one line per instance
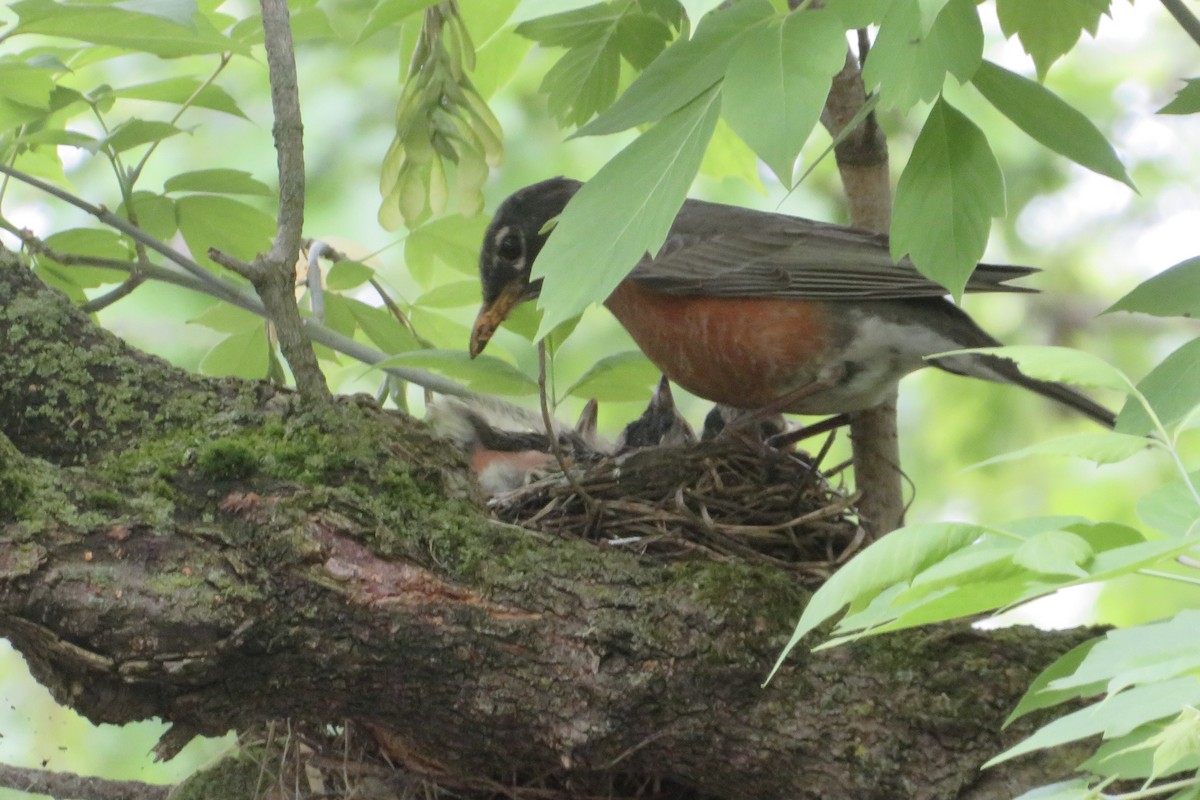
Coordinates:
216 554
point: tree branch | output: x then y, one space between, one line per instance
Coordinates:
77 787
229 556
862 160
274 274
1186 19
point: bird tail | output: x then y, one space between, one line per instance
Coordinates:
1003 370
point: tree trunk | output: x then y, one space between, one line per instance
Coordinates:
216 554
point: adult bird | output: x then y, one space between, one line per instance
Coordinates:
768 312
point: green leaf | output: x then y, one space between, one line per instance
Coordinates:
684 71
455 294
1102 447
641 37
1039 695
896 558
1077 789
237 229
241 355
584 80
623 212
451 242
698 8
1187 101
946 198
1049 30
532 9
95 242
859 13
155 214
1171 293
388 12
777 82
1062 364
910 64
112 25
1172 389
621 377
483 374
728 156
26 84
1172 508
217 181
227 318
1055 553
1116 716
384 330
1148 653
347 275
1050 121
1178 742
180 90
136 132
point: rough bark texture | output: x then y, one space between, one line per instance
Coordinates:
218 555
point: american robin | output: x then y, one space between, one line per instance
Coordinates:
508 445
767 312
660 424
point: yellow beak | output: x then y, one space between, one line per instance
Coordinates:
492 315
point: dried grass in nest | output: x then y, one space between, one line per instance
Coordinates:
713 500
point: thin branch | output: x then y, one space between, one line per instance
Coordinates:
274 274
248 302
112 220
1186 19
64 785
105 300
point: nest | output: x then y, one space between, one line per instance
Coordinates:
713 500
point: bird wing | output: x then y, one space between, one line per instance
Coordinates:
725 251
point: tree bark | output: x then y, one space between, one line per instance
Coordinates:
217 554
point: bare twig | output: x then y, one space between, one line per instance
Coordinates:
64 785
105 300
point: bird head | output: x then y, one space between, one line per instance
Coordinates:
510 246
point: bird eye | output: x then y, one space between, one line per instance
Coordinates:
510 247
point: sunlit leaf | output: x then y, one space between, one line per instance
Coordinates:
1187 101
777 82
1172 508
1116 716
909 64
1052 122
1172 388
240 355
685 70
946 198
347 275
227 318
1055 553
1049 30
237 229
450 243
623 376
1102 447
181 89
1170 293
218 181
482 374
135 132
623 212
1039 695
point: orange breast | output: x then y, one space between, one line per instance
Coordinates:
743 352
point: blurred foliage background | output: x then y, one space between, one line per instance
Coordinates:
1094 237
